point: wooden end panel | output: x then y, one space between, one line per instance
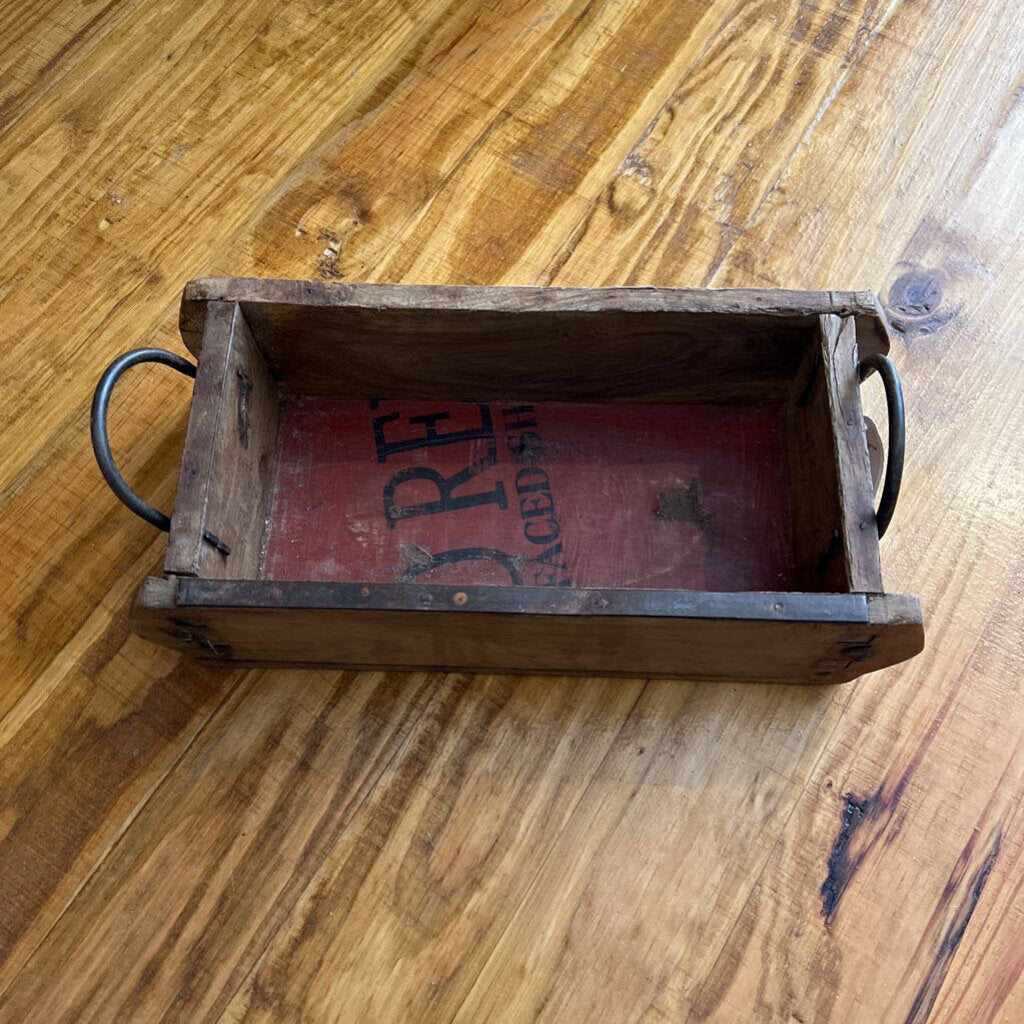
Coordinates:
853 465
184 544
226 471
820 638
835 542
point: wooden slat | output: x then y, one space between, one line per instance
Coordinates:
831 495
521 343
224 487
380 299
853 468
199 460
806 638
499 343
815 493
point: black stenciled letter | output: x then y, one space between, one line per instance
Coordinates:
447 500
551 577
466 555
431 436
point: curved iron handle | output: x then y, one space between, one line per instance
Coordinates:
897 434
98 426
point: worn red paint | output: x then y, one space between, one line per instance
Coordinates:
666 496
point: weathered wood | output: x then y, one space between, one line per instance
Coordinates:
196 476
831 493
269 299
803 638
815 497
640 344
334 514
863 568
224 489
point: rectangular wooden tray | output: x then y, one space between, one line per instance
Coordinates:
637 481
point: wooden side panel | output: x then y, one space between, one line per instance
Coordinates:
530 356
815 644
224 486
853 465
270 301
529 344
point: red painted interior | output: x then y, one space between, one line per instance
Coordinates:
666 496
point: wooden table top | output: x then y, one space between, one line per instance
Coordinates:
191 844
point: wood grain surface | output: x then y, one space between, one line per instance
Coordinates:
182 843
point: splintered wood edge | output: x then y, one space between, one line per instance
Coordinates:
873 330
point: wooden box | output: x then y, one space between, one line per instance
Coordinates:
638 481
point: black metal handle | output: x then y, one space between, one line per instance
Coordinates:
98 426
897 434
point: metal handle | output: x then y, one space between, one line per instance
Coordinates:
897 434
98 426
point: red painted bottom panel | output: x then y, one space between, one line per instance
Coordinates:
674 496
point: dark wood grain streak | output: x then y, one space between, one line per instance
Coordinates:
959 916
871 821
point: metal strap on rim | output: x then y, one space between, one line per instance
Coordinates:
897 435
98 426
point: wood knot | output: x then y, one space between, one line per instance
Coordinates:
916 302
916 293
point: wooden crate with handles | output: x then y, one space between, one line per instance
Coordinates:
636 481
